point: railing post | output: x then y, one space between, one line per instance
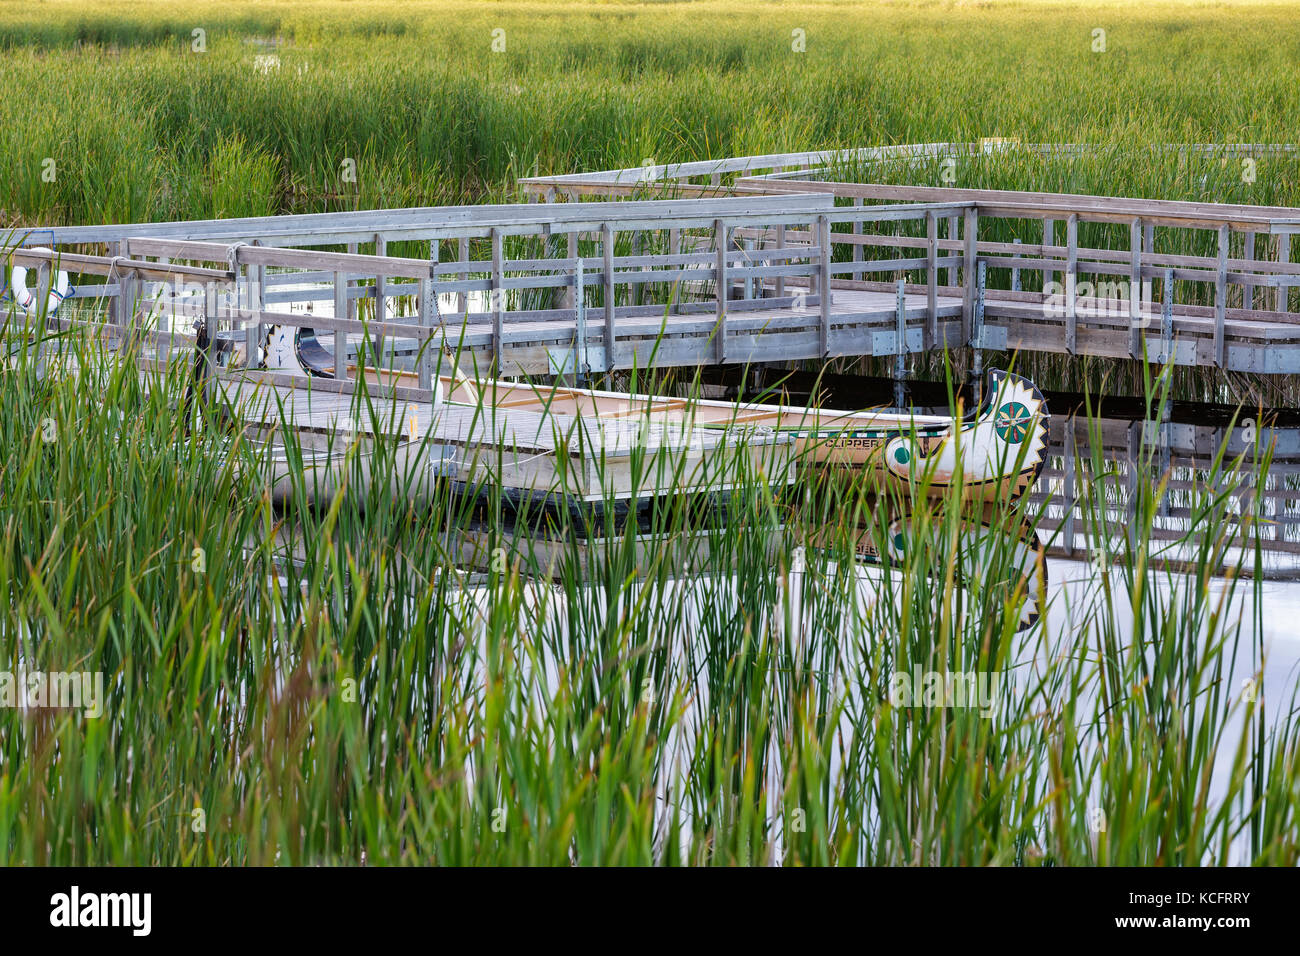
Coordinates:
1149 247
259 300
128 290
977 327
675 288
824 271
117 308
497 294
1071 283
1283 302
931 278
1248 253
780 244
340 337
462 297
352 303
557 296
900 341
611 333
424 349
1167 321
972 235
952 234
581 365
638 246
210 310
1049 239
1135 289
720 326
381 296
857 247
1221 298
573 254
1015 270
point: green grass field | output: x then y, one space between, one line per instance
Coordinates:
140 126
322 684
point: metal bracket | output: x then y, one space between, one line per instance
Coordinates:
560 360
993 338
440 460
1167 321
900 332
977 323
886 342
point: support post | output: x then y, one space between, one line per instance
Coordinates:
900 343
1135 289
857 247
931 279
1248 253
117 308
573 254
424 349
1221 298
340 337
352 302
381 299
1049 239
1283 255
1149 246
1071 283
462 297
497 294
952 235
675 289
780 244
259 300
581 365
749 285
977 328
824 274
209 345
607 250
720 265
1167 321
972 235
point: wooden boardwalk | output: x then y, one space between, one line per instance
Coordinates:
770 262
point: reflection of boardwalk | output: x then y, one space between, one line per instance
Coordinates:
1136 455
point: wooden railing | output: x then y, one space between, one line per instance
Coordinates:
1014 262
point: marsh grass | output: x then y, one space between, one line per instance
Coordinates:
366 674
141 127
706 683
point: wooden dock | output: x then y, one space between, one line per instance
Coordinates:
575 457
765 260
783 268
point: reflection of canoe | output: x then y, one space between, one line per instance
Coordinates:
997 454
1003 559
